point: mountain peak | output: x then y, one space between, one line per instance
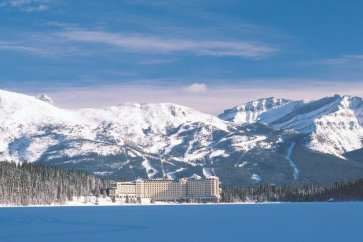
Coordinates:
45 98
168 140
250 111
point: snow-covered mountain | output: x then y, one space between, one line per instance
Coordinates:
45 98
271 139
161 140
334 124
29 126
254 111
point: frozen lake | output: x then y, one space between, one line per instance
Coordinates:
341 222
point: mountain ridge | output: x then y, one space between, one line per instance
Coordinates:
316 118
171 141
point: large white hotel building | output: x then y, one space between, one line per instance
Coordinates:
195 190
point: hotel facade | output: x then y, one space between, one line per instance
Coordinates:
189 190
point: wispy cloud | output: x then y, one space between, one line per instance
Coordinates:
155 49
38 47
156 61
27 5
345 59
19 48
197 88
159 45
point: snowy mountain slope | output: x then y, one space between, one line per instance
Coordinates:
171 141
341 131
251 111
150 140
45 98
277 113
29 125
333 124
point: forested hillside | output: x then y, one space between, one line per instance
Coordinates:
340 191
32 184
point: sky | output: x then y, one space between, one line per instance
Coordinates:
208 55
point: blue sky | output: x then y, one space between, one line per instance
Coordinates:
209 55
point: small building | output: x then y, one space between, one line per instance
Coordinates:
127 189
193 190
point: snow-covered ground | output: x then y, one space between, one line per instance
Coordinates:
107 201
101 201
291 161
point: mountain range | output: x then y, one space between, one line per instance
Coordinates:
266 141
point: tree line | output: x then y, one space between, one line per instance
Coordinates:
340 191
33 184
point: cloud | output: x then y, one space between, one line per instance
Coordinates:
37 47
158 45
343 60
27 5
74 42
157 61
197 88
15 47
